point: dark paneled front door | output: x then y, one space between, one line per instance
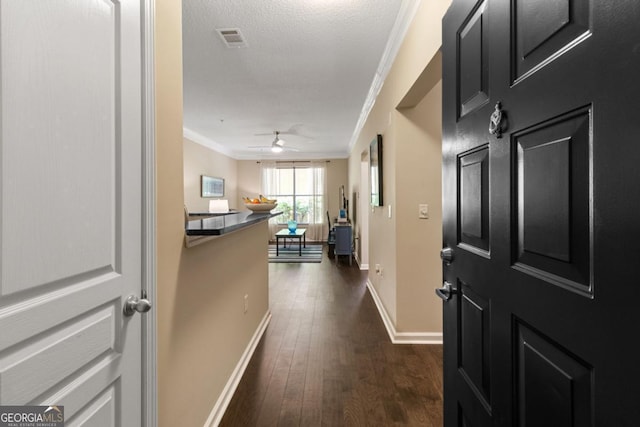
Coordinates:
541 182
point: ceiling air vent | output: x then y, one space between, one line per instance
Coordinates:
232 37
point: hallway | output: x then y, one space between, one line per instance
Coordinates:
326 358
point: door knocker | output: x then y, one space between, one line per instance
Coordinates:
497 123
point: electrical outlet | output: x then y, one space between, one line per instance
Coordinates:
378 269
246 303
423 211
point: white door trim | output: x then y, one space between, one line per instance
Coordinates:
149 348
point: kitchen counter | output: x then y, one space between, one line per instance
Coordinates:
217 225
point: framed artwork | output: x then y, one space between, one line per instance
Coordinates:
375 171
211 186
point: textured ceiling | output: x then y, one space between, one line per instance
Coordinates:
306 71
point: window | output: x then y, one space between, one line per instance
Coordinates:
300 191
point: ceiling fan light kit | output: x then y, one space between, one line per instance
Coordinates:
277 146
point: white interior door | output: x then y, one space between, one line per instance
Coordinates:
71 197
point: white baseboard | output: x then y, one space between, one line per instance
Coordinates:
227 393
401 337
362 266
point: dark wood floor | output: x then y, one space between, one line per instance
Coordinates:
326 358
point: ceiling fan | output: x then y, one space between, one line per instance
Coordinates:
294 130
277 146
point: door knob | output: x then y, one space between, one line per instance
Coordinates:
446 254
446 291
134 304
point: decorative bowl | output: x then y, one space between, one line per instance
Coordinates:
260 207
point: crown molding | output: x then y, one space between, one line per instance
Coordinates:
407 12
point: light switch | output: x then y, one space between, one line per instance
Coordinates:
423 211
389 211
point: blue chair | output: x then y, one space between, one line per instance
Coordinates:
331 238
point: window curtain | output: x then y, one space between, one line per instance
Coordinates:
318 230
269 187
315 218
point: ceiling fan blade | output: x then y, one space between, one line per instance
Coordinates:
291 131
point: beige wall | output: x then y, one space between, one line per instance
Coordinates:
337 173
407 248
202 328
249 178
420 240
200 160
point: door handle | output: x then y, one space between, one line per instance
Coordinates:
446 291
446 254
134 305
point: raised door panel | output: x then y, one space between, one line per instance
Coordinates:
552 201
61 146
473 67
46 361
473 201
544 30
102 411
553 386
474 343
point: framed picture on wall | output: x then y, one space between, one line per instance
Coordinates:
211 186
375 170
